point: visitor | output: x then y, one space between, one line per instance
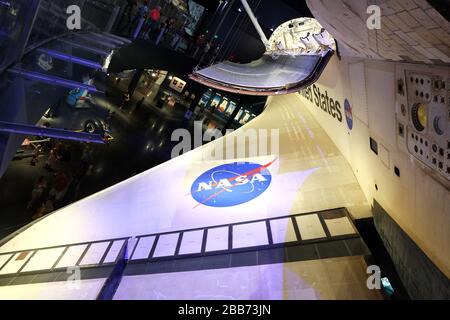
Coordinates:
86 159
152 21
206 50
141 16
155 14
36 153
38 191
110 116
125 100
162 32
60 185
171 30
83 169
47 207
201 41
128 14
192 97
176 40
52 160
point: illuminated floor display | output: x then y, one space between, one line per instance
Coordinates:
84 290
306 280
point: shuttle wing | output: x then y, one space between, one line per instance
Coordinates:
302 179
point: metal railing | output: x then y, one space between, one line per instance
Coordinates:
144 248
25 262
232 245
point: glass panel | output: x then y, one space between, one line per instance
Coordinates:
77 51
50 20
45 64
89 41
15 19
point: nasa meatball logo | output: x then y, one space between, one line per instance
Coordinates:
231 184
348 114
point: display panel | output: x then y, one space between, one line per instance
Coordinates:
196 12
205 99
231 108
177 84
223 105
245 118
215 102
239 115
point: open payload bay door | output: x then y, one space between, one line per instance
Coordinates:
297 53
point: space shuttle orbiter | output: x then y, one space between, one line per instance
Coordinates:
393 85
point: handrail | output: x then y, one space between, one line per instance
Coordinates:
230 249
63 245
54 268
123 255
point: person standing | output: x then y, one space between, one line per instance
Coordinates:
162 32
186 96
201 40
86 159
47 207
83 168
125 100
152 21
128 13
176 38
170 31
206 50
140 17
36 153
52 160
38 191
155 14
135 15
60 185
